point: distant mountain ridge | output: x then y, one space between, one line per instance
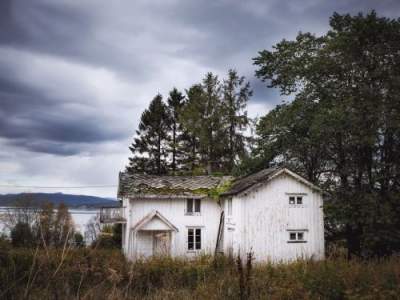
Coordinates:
75 201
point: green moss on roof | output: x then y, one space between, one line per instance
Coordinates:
136 184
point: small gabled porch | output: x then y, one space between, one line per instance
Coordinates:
153 236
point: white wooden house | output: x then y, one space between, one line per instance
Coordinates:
274 213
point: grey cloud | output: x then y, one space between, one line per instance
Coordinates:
138 48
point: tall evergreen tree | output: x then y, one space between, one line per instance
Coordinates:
236 94
191 117
203 120
175 103
212 137
149 148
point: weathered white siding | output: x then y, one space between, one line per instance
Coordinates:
174 211
262 216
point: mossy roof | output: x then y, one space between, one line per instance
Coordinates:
131 185
243 183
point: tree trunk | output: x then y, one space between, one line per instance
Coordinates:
174 149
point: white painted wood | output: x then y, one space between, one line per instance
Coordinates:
262 217
261 221
144 244
174 211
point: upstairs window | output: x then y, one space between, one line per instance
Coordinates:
194 239
295 200
193 206
297 236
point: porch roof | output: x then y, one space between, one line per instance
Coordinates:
148 218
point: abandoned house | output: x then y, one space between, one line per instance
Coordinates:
275 213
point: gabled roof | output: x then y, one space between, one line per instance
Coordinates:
244 183
132 185
154 214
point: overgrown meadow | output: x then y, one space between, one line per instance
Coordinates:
88 273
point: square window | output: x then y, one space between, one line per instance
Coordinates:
299 200
193 206
292 200
297 236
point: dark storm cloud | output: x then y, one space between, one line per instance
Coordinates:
137 41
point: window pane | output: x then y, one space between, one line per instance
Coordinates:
291 200
190 239
197 205
189 205
300 236
198 239
292 236
229 207
299 200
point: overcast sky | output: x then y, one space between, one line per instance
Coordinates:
76 75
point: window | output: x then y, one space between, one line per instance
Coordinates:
194 239
299 200
193 206
230 207
297 236
295 200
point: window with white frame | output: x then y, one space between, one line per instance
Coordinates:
297 236
295 200
194 239
229 207
193 206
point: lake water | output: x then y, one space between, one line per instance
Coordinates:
80 217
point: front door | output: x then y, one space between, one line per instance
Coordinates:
161 243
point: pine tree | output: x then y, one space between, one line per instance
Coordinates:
191 117
202 119
236 93
212 137
149 148
175 104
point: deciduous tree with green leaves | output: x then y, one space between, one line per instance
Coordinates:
342 129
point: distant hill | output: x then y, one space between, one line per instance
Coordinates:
75 201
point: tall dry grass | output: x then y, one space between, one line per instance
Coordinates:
105 274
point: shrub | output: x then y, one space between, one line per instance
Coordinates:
22 235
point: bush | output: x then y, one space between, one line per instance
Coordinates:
22 235
78 240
